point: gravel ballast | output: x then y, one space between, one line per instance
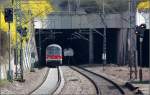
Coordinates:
120 75
76 84
32 80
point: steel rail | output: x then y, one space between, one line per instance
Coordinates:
58 82
78 69
98 92
54 89
44 78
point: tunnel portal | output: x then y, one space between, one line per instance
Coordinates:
66 39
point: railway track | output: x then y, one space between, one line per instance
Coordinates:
103 85
50 83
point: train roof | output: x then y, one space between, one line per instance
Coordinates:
56 45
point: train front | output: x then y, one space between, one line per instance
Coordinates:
54 55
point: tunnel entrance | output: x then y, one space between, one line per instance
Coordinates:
66 39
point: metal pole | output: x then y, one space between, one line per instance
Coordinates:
0 44
132 40
17 6
39 47
40 43
129 32
140 70
78 5
16 56
104 56
69 9
21 61
16 62
133 50
9 76
149 44
104 49
91 56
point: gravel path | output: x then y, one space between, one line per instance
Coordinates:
32 80
76 84
113 71
120 72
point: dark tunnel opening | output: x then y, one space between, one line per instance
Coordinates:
81 46
145 49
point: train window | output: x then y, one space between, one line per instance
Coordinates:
53 50
57 51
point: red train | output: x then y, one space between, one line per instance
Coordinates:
54 55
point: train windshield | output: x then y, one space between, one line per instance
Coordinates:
53 50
